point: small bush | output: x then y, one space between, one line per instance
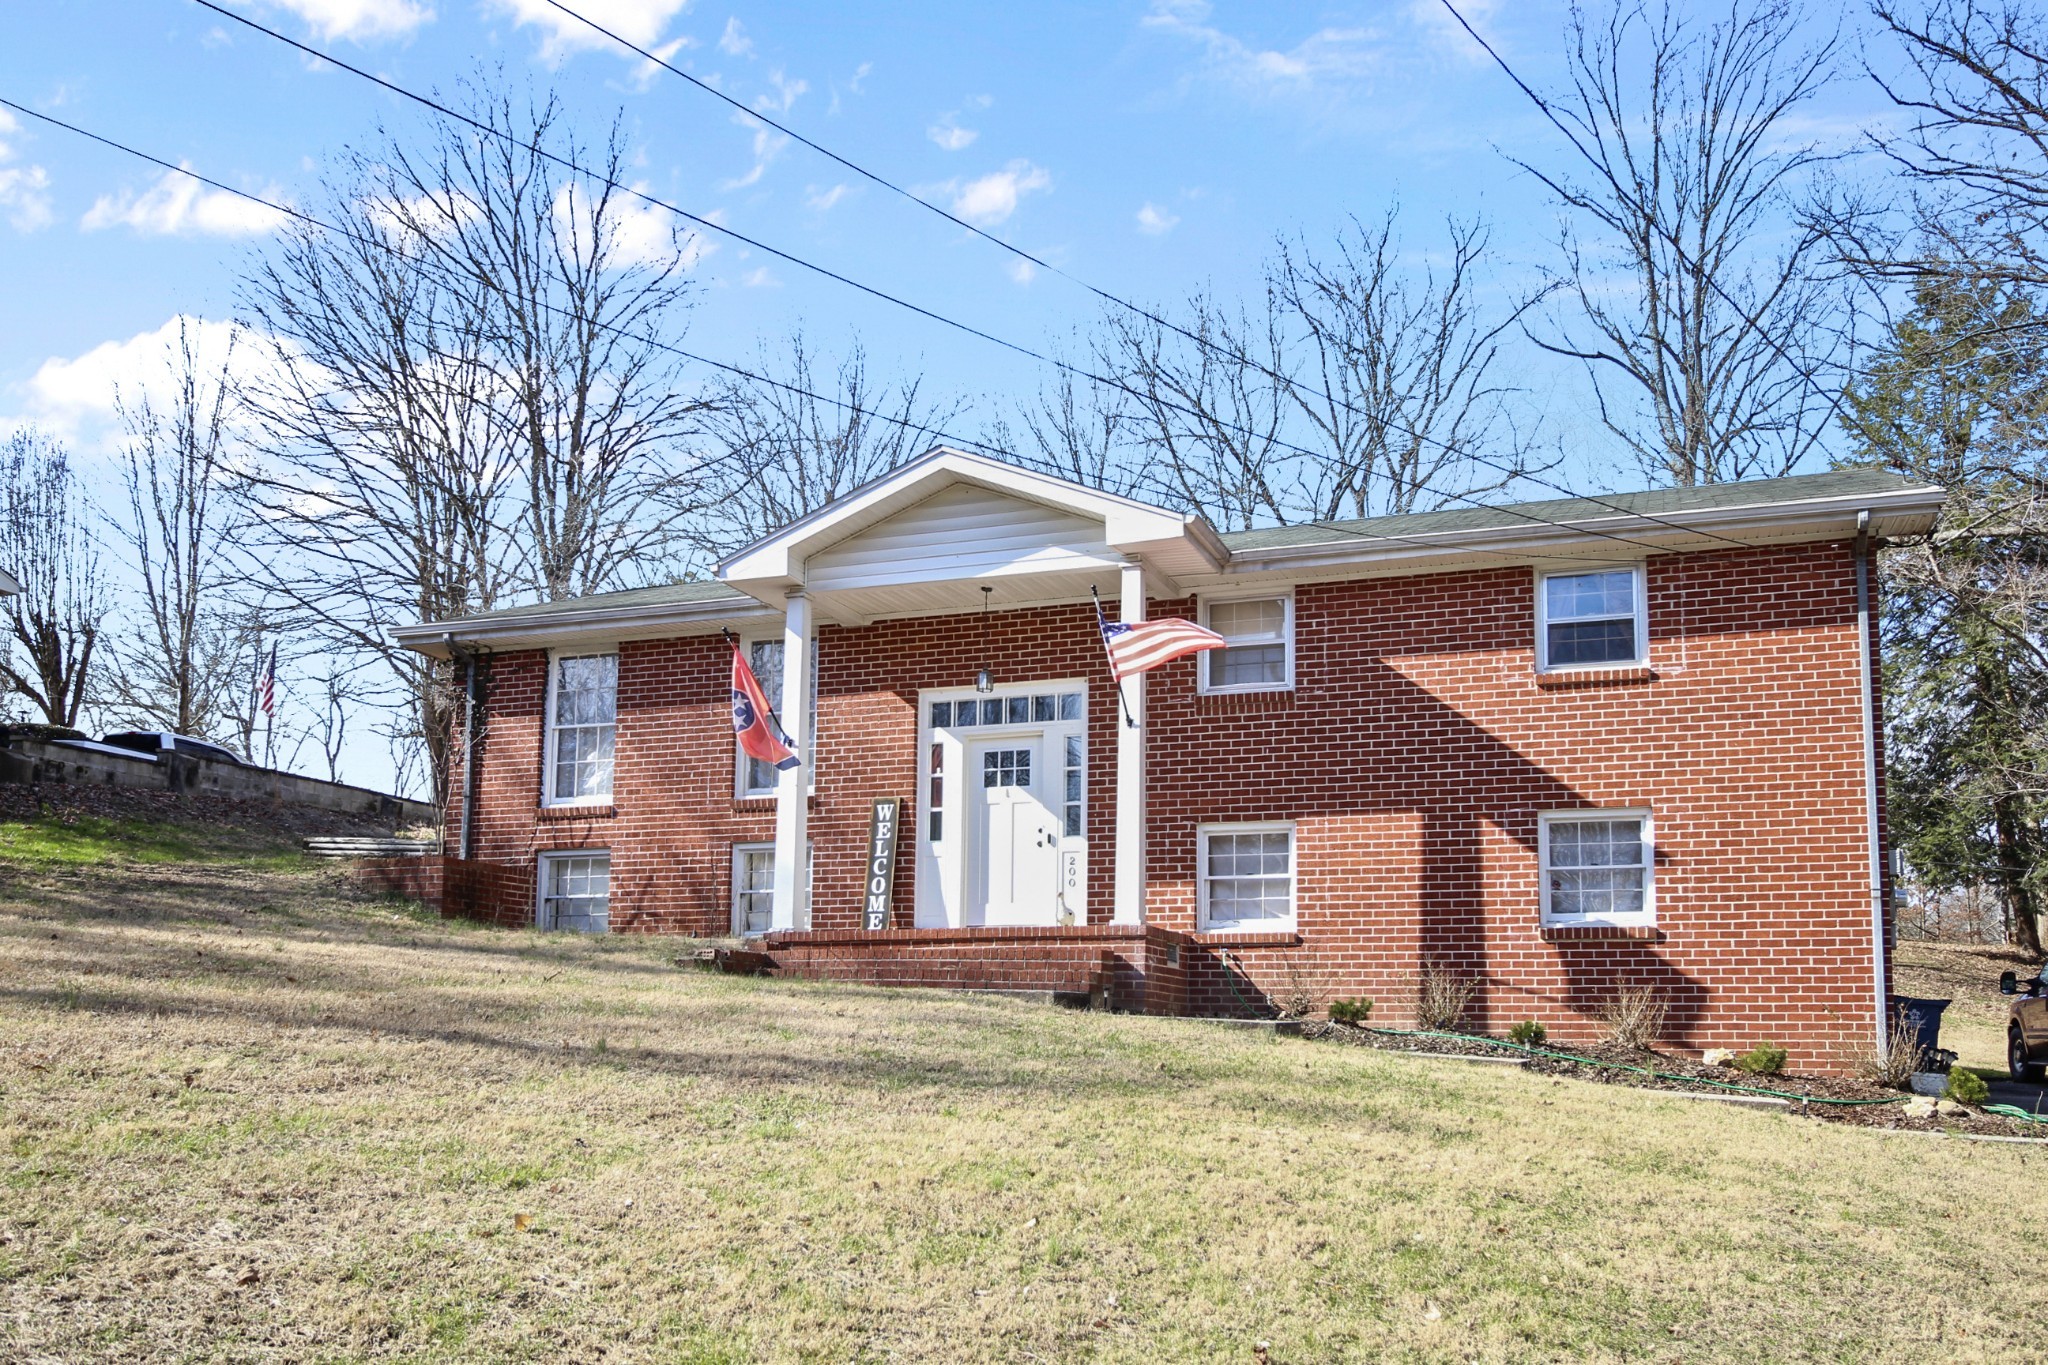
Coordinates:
1528 1033
1634 1017
1352 1012
1441 997
1893 1063
1965 1087
1765 1059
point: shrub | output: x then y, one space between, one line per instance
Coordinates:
1634 1017
1354 1012
1893 1063
1528 1033
1765 1059
1441 997
1965 1087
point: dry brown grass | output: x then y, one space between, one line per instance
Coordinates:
253 1115
1966 975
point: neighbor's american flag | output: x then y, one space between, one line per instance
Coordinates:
266 689
1148 644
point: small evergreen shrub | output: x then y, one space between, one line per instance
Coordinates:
1966 1087
1354 1012
1528 1033
1765 1059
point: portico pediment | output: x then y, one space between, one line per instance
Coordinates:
929 536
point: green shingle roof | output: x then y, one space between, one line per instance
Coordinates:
1661 502
667 594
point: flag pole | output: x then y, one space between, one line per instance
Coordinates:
1102 629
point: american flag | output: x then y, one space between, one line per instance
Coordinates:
266 686
1145 646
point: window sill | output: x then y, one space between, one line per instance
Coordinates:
595 811
1590 933
1605 676
1246 938
767 803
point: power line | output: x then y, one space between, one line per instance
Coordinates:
1020 253
311 220
971 330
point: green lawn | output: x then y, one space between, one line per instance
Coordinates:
73 840
255 1114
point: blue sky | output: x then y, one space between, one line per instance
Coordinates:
1150 147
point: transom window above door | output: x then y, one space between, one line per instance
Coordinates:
981 712
1006 768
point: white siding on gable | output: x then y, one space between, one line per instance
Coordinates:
962 532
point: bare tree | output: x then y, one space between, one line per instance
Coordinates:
1715 360
785 449
1214 401
48 544
1080 430
1407 402
385 480
572 279
177 660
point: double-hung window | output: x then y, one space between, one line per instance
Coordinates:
1599 867
575 891
583 713
758 779
1589 619
1259 653
1246 877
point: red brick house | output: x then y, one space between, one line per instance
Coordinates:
1555 747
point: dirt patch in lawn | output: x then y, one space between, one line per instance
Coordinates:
1871 1105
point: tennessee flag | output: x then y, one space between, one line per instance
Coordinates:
754 721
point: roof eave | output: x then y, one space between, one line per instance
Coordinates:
535 630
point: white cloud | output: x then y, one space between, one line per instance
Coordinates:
642 233
734 41
1022 271
951 135
1327 55
992 198
74 398
768 144
819 201
639 22
759 278
358 20
644 74
1154 221
786 94
860 73
178 205
1433 19
24 190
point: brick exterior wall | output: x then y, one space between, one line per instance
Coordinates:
1413 756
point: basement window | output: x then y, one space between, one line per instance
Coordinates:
1599 867
753 889
1247 878
575 892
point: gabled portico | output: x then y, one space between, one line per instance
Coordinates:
952 533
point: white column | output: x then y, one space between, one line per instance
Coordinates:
792 785
1130 772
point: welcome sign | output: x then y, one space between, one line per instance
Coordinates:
881 872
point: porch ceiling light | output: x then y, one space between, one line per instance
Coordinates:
985 679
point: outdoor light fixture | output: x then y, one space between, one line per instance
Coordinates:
985 680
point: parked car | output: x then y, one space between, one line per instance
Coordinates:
159 742
2026 1029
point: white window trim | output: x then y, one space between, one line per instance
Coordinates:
1545 819
739 850
1642 617
805 745
540 878
1286 684
547 771
1292 921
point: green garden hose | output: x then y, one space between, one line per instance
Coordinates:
1640 1071
2013 1111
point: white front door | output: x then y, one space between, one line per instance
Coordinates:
1013 836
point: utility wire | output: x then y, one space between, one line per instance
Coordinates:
968 328
311 220
1206 343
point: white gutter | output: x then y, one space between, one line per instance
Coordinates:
1867 693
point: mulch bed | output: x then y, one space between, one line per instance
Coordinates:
1602 1063
61 800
